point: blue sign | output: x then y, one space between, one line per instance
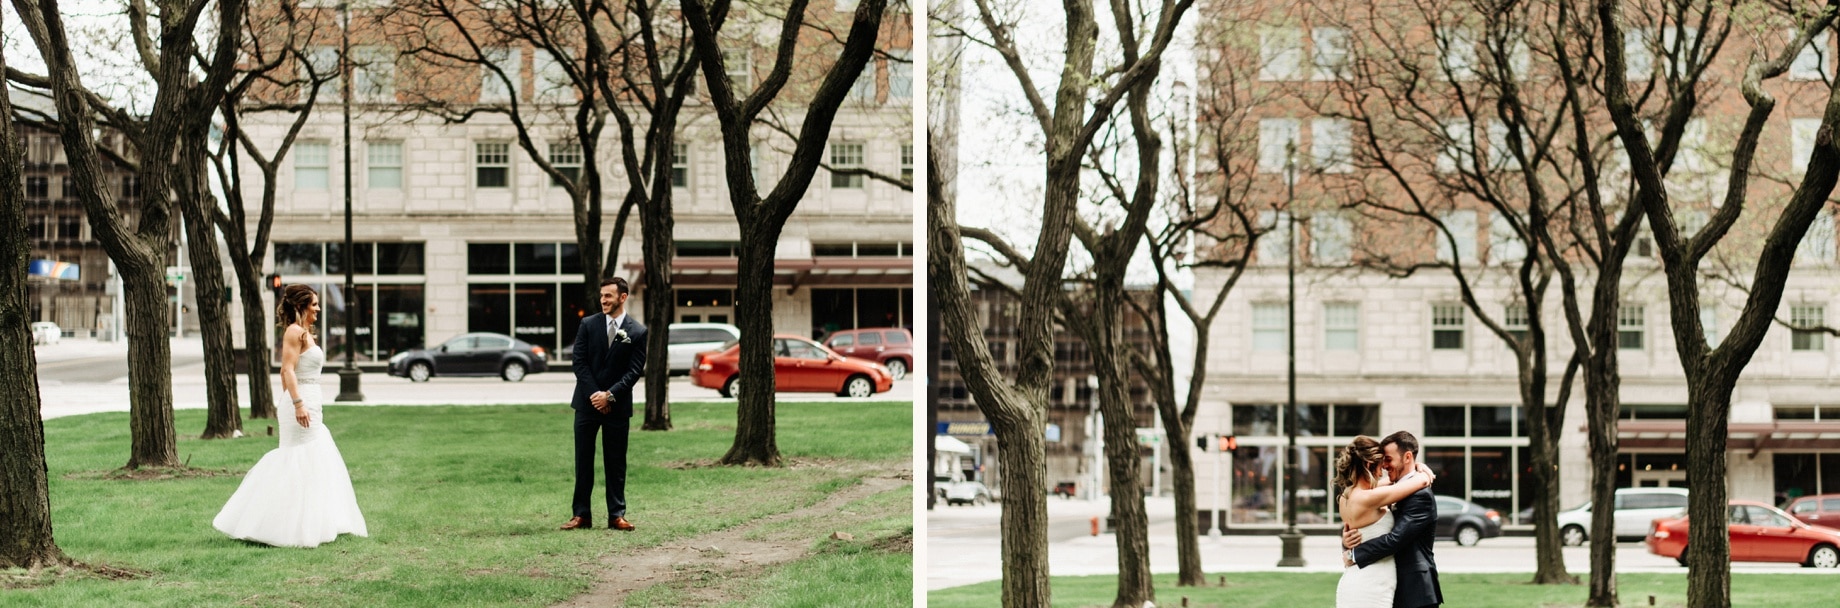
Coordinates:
63 271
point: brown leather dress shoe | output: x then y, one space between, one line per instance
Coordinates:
577 523
620 523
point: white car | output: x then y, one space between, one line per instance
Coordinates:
1635 508
961 492
46 332
688 339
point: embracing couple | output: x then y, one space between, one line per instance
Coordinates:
1388 522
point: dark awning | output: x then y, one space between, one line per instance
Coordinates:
1751 436
793 273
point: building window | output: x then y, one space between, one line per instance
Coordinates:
1461 224
322 64
907 162
1817 246
70 227
1811 63
1277 142
1329 46
680 166
1709 323
1330 148
1630 323
1801 142
1514 319
1807 474
1269 327
384 165
492 165
1459 51
565 158
846 157
35 227
38 186
311 166
1280 53
373 74
900 74
739 65
1447 326
1330 235
70 187
1501 158
494 87
1505 244
1341 326
131 184
1459 149
552 81
1275 244
863 90
1810 317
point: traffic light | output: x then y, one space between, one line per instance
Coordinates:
1228 443
1204 442
274 281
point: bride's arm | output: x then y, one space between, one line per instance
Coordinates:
1395 492
291 348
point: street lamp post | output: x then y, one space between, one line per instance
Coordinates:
348 375
1291 539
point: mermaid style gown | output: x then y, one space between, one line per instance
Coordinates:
299 494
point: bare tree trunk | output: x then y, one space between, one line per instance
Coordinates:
658 236
25 498
224 417
1123 465
150 415
255 339
755 442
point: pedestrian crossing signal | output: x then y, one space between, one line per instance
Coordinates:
1203 443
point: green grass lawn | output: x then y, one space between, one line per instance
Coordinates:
462 504
1261 589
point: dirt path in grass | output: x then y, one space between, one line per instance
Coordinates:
705 569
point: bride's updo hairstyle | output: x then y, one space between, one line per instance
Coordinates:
1358 460
295 300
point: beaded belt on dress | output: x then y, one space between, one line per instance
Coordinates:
307 380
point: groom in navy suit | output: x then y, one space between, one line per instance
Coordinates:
1414 527
609 359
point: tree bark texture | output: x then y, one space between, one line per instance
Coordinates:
755 435
25 499
224 416
1016 407
657 235
255 339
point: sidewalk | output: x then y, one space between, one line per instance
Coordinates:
64 398
963 547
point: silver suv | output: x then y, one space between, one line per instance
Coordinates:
1635 508
688 339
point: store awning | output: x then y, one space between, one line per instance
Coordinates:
793 273
947 444
1749 436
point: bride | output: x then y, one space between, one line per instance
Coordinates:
299 494
1366 492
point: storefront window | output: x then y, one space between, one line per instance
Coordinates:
399 258
399 318
534 258
1256 472
1445 421
536 314
1312 420
1351 420
575 307
1491 480
333 305
1313 474
1491 421
1255 420
488 258
1451 467
488 307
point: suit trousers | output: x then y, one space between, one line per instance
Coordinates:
613 429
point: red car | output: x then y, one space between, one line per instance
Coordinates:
799 366
892 346
1817 510
1759 533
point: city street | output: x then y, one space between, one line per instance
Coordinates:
963 548
80 376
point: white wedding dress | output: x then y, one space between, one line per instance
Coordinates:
1373 586
299 494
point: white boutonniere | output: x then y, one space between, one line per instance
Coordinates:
620 334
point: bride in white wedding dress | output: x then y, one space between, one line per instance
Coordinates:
1366 492
299 494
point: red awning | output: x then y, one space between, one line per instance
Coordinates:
794 273
1751 436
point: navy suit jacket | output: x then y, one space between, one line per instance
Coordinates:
1414 527
614 368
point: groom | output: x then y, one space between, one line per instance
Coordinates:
1414 525
609 359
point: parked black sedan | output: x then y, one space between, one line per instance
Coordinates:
1466 522
474 354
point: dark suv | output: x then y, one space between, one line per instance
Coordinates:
892 347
